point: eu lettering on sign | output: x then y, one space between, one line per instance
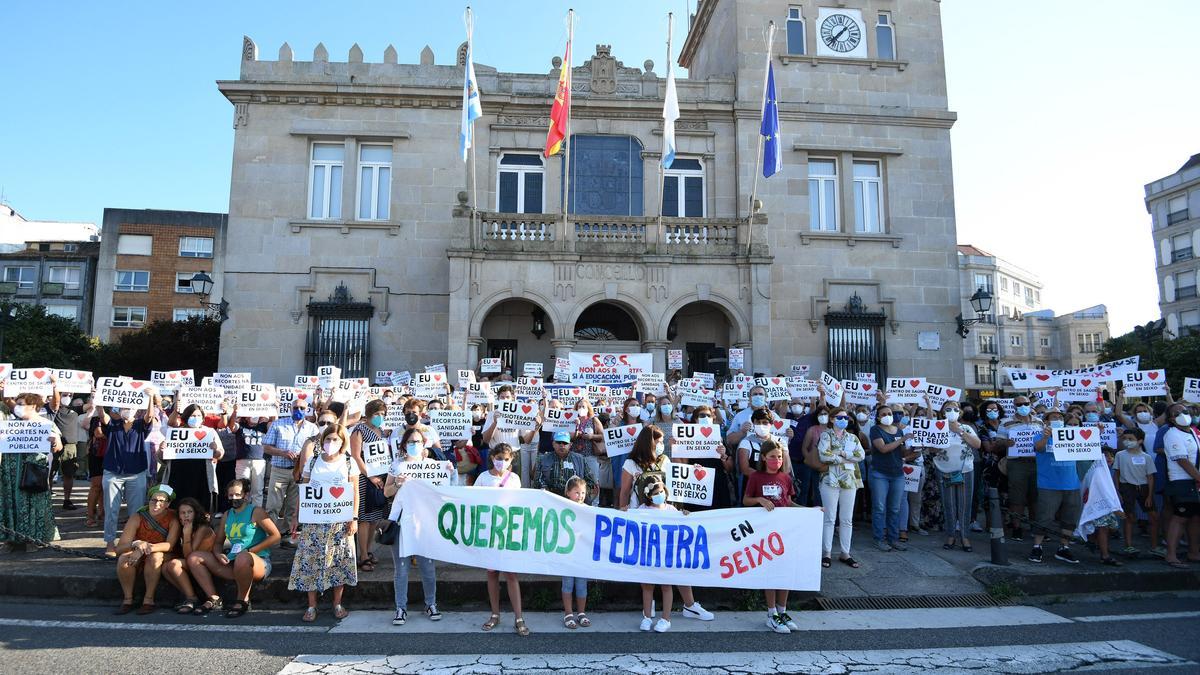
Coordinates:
1076 444
695 441
1146 383
30 381
384 377
775 388
25 436
939 395
929 433
865 377
465 377
1077 388
520 415
189 443
906 390
860 393
489 365
558 419
289 395
322 503
800 369
328 377
120 392
74 381
428 386
377 456
619 440
169 381
833 389
690 484
1191 389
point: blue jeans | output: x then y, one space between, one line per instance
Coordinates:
575 585
428 578
618 462
886 495
131 487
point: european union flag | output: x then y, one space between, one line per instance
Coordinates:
772 157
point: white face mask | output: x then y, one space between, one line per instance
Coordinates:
861 417
127 414
886 420
952 415
635 410
581 411
762 430
332 448
65 400
797 410
19 411
1183 419
704 419
500 465
822 419
659 449
1144 417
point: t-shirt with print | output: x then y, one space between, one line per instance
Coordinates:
776 487
1179 444
1134 466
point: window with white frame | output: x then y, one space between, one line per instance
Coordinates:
1185 285
822 194
69 277
374 181
325 181
795 31
885 37
195 247
1045 342
135 244
128 317
983 374
1189 320
1014 340
65 311
683 189
183 282
520 183
983 281
987 344
1181 247
868 192
1003 283
137 281
185 313
23 277
1029 296
1177 209
1089 343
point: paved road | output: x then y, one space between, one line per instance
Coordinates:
1163 633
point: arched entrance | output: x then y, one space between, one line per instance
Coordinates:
517 332
704 332
607 327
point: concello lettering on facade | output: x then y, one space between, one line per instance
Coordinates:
611 272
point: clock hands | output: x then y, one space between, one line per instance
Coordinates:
839 33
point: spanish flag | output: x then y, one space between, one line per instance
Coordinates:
561 110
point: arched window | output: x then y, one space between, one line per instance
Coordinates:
606 322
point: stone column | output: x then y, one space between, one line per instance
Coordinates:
658 349
473 345
747 358
562 348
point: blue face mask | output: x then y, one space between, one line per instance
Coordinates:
413 449
659 498
758 401
298 414
650 408
904 419
377 420
194 422
841 424
1023 410
1092 416
993 414
1057 424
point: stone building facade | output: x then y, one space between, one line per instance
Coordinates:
357 240
1173 203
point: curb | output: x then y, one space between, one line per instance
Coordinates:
1052 582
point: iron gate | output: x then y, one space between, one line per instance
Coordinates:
339 334
856 341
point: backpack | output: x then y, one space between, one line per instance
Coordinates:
646 477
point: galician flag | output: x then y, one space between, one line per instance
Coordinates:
471 109
772 158
561 110
670 114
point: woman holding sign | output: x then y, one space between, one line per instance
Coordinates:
415 450
372 503
25 478
325 553
195 478
956 465
840 453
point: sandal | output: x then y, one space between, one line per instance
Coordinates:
569 622
492 622
310 615
1179 565
366 565
1111 562
186 607
147 608
826 562
850 562
372 558
125 608
208 606
903 539
520 627
237 610
967 548
340 612
584 622
948 546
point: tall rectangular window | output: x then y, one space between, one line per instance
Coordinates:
136 281
1004 283
1014 340
795 31
885 37
374 181
606 176
983 281
69 277
1177 209
1029 296
23 277
868 188
1181 247
987 344
683 189
520 186
135 244
822 194
325 181
128 317
1017 288
195 247
1185 285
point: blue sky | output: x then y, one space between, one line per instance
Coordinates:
1066 109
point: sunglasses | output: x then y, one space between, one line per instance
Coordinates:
159 500
842 417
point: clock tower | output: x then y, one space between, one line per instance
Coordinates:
841 32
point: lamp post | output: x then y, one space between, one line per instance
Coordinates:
202 285
992 363
981 302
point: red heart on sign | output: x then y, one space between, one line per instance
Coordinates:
436 378
1086 433
534 381
950 393
135 385
200 435
866 387
699 473
185 372
1152 374
172 375
526 408
1043 378
337 491
39 374
3 368
775 380
568 415
915 383
79 374
706 431
631 430
739 386
576 392
302 395
778 424
908 469
1085 382
940 424
264 396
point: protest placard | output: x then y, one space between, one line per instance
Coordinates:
833 389
322 503
307 382
1146 383
120 392
608 368
328 377
598 392
906 390
231 383
180 443
520 415
696 397
651 383
1046 397
31 381
428 386
860 393
532 368
619 440
1108 435
490 365
530 392
1023 437
451 425
695 441
1075 388
800 369
436 368
346 391
465 377
559 419
286 396
1191 389
940 394
253 402
74 381
1076 444
707 379
912 477
737 358
208 398
432 471
5 369
675 359
377 456
479 392
731 392
569 395
801 387
865 377
401 378
169 381
384 377
1006 404
25 436
690 484
775 388
562 369
929 433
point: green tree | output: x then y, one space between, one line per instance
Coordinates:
163 345
1180 357
34 338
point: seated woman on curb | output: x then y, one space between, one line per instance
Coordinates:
251 534
195 534
148 537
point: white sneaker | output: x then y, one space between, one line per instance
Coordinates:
698 612
787 620
662 626
647 622
776 625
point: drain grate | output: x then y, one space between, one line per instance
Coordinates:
908 601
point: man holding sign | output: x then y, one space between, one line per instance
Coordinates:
125 461
1058 500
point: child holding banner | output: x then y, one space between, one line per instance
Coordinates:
769 487
501 476
653 495
577 490
415 450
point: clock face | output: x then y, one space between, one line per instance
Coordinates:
840 33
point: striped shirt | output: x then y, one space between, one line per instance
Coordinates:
288 437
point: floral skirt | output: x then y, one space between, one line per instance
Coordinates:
324 559
25 512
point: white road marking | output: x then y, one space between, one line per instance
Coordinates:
1138 617
223 627
1039 658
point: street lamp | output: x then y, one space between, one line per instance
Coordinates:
202 285
981 302
992 363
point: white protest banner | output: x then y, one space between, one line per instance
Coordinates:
707 379
307 382
912 477
428 386
1191 389
1076 444
775 388
1108 435
1024 378
929 433
865 377
377 456
800 387
562 369
619 440
436 368
860 393
536 532
73 381
558 419
695 441
231 383
120 392
31 381
451 425
179 443
517 415
675 359
257 402
607 368
1023 437
328 377
800 369
690 484
490 365
940 394
906 390
1076 388
286 396
532 368
169 381
208 398
24 436
428 471
737 358
696 397
833 389
1146 383
651 383
322 503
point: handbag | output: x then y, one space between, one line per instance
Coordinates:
388 533
1179 491
35 477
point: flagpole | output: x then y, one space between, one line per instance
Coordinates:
662 173
758 163
474 171
567 135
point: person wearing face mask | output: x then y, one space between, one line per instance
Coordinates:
1058 501
802 415
555 469
770 487
631 413
126 464
372 502
840 452
494 434
413 443
987 470
1142 417
911 505
1181 445
251 463
956 465
250 533
195 478
887 479
500 476
741 424
66 419
588 442
26 512
1020 464
325 554
722 465
283 443
749 450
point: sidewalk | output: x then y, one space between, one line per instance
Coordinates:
926 569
